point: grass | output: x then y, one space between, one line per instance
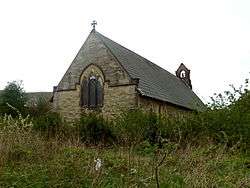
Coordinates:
32 161
30 158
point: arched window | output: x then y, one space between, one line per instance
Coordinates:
183 74
92 92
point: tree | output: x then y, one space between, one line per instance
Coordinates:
13 98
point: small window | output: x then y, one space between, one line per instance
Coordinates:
183 74
92 92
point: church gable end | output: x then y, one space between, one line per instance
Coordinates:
95 52
94 81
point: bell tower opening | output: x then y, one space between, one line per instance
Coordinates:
184 74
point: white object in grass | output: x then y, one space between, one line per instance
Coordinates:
98 164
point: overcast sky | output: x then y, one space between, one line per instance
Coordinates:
40 38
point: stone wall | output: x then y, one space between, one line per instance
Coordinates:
159 107
118 97
116 100
67 104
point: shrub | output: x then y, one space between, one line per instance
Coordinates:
145 148
228 121
39 107
228 124
94 129
45 121
48 124
136 126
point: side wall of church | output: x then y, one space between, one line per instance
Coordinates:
118 99
159 107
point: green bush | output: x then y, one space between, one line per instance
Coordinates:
48 124
227 124
136 126
145 148
94 129
45 121
231 125
13 99
39 107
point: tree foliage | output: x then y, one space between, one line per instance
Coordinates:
13 99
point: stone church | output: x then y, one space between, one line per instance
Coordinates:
109 78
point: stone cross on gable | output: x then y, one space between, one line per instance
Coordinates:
94 23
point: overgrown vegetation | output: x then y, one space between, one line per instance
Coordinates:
29 160
94 129
138 149
12 99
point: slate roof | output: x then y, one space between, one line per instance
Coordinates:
154 81
35 96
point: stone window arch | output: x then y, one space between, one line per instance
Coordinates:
92 92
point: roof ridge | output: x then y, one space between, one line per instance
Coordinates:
147 60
